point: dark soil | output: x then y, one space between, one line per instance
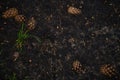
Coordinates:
92 37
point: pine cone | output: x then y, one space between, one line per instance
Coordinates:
12 12
19 18
73 10
31 23
78 67
108 70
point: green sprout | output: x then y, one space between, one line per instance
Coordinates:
22 36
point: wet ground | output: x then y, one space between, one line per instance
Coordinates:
91 37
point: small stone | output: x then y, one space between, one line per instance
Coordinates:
71 40
30 60
68 56
15 56
87 23
93 17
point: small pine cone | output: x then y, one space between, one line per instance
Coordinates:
19 18
73 10
108 70
31 23
12 12
78 67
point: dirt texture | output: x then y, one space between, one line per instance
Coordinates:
79 40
